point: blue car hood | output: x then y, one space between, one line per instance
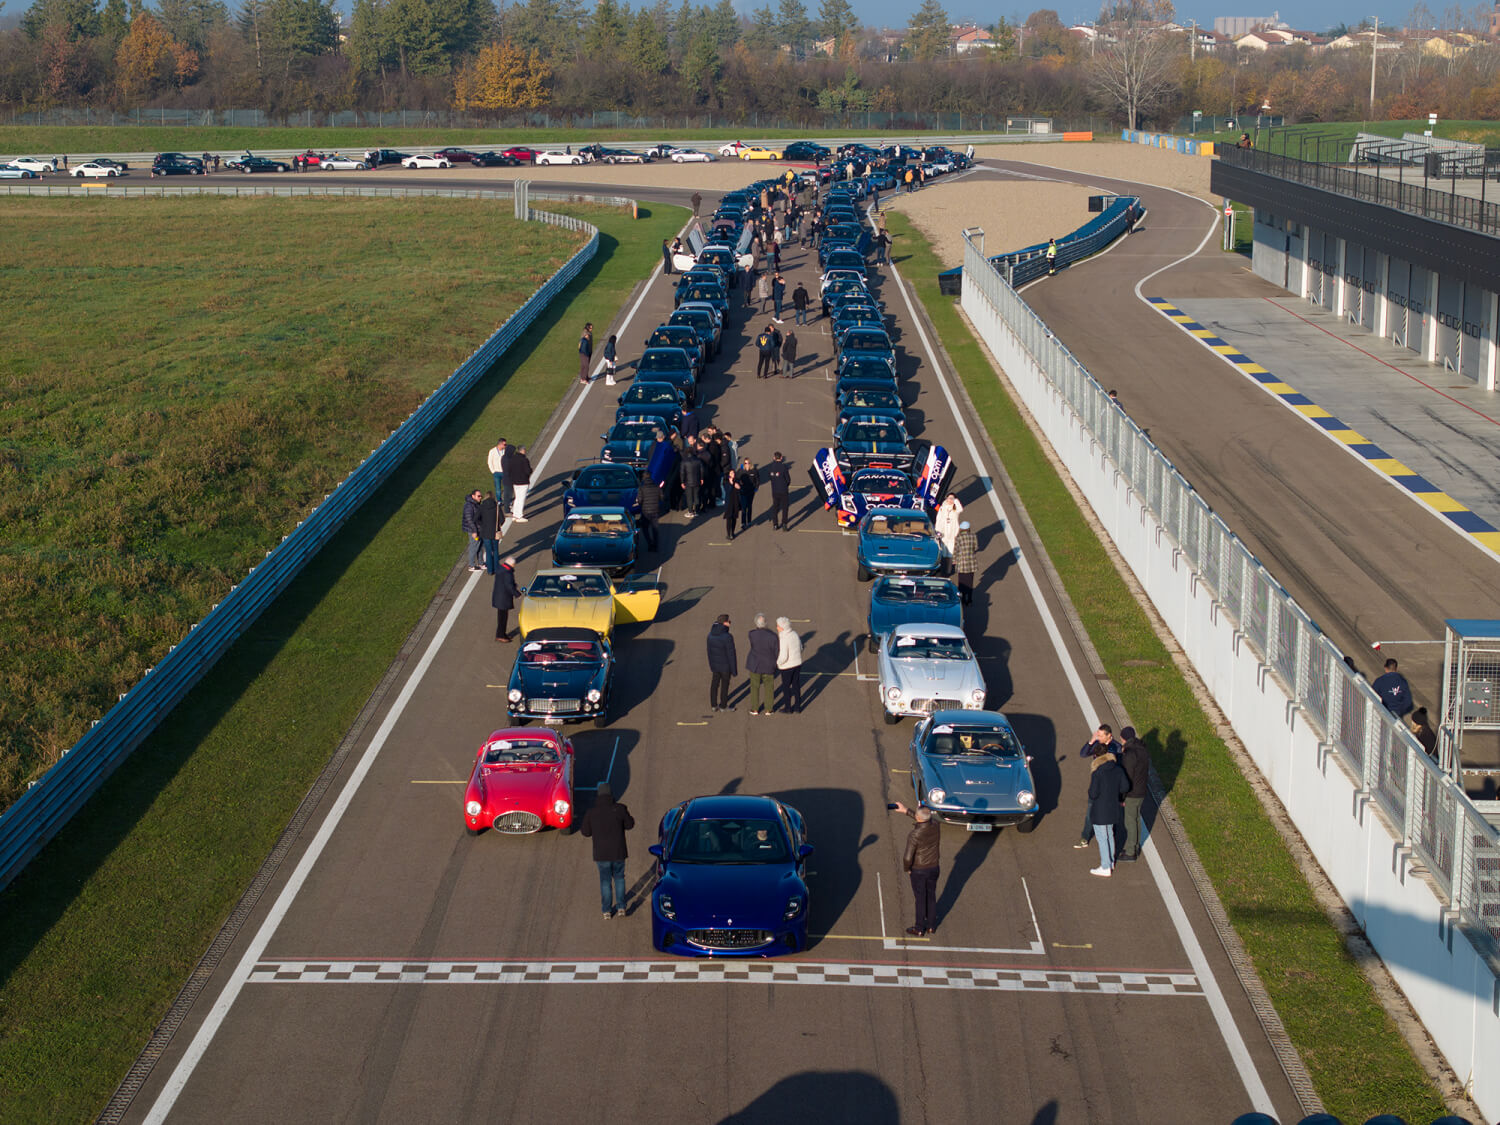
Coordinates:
978 784
885 616
589 550
628 498
554 681
754 896
888 551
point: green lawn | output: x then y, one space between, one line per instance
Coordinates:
103 928
1356 1056
1301 140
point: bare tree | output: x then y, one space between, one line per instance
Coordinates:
1134 65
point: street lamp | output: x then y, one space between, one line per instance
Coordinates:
1374 51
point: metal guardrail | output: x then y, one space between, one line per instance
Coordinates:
1414 198
1030 263
49 803
258 187
1431 815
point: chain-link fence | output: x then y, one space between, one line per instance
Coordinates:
1428 812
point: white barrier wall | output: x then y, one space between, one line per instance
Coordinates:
1418 866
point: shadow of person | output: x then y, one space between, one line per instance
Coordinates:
970 857
828 1097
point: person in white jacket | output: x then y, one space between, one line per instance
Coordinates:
949 513
789 663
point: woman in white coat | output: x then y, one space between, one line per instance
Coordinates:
789 663
949 514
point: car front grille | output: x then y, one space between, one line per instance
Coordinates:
928 706
518 823
729 939
554 706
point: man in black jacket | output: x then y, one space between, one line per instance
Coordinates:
489 531
761 664
606 824
470 526
650 510
779 473
920 860
518 476
1137 762
1107 787
692 478
722 663
504 596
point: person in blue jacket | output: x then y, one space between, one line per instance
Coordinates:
1394 691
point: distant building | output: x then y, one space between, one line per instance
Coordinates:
1235 26
970 38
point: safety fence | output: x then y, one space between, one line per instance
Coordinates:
1289 694
1185 145
113 187
50 801
1117 213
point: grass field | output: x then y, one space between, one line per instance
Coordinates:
177 397
103 928
1357 1058
1295 140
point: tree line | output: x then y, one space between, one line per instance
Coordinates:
291 56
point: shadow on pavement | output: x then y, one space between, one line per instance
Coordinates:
835 818
1039 737
824 1096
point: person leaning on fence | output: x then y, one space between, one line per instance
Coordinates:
1051 256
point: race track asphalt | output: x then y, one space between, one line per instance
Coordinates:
400 971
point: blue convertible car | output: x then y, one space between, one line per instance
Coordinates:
597 538
730 879
561 675
900 600
969 768
897 541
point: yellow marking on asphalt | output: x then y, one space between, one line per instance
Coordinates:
1392 467
495 685
848 937
456 781
894 770
811 440
907 939
1440 502
1060 945
821 530
704 723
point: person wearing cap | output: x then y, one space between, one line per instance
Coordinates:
723 664
965 560
606 824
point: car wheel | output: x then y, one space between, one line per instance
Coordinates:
862 573
891 720
601 720
1027 825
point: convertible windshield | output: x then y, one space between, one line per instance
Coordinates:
929 648
569 586
544 653
908 527
598 526
520 751
606 478
873 433
966 742
643 394
919 591
730 841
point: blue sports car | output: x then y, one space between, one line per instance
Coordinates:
902 600
606 485
630 441
669 365
896 541
561 675
969 768
643 397
873 440
731 879
596 538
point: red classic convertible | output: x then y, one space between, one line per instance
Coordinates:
522 782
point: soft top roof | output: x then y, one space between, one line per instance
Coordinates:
562 633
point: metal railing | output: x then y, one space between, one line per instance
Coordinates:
259 187
1414 198
1429 813
48 804
1030 263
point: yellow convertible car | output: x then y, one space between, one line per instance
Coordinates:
755 152
586 599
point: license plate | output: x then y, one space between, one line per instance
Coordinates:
976 826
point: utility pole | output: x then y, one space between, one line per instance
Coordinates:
1374 53
1193 44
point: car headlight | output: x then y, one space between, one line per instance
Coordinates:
515 695
1026 798
976 697
473 808
793 907
893 695
936 796
664 904
595 695
560 807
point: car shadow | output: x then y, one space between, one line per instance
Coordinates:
821 667
683 601
843 1095
1038 736
639 660
994 663
835 819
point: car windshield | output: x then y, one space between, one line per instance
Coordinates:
918 591
568 586
866 340
897 484
874 400
976 742
737 840
693 320
899 527
634 431
872 433
603 478
520 752
651 393
680 336
559 652
915 647
598 525
705 293
676 360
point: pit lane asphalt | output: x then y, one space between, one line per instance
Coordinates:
1097 1014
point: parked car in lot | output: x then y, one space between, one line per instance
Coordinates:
557 156
730 878
586 599
455 155
94 170
606 485
422 161
806 150
250 165
177 164
679 336
494 160
873 439
16 172
522 782
669 365
522 153
970 768
561 675
756 152
733 148
703 320
596 537
689 156
33 164
337 163
383 156
927 667
896 541
906 600
630 439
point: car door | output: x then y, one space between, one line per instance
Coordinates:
934 472
827 477
636 600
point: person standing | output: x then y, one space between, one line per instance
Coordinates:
497 460
1394 691
788 354
799 303
761 664
696 199
1137 762
882 244
650 494
518 475
765 346
609 361
1103 739
1107 787
965 560
585 353
946 525
763 289
723 664
687 422
921 860
666 257
1051 256
780 476
692 478
489 532
606 824
471 528
778 291
731 504
1421 728
747 480
503 597
789 663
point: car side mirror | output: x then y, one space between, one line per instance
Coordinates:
804 851
655 849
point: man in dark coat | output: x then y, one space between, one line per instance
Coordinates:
650 510
692 478
489 531
799 303
1107 788
518 477
1137 762
921 860
666 257
1394 691
470 524
747 480
696 200
606 824
780 476
766 346
788 354
503 598
731 504
687 424
761 664
722 663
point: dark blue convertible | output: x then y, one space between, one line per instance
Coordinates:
561 675
596 538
